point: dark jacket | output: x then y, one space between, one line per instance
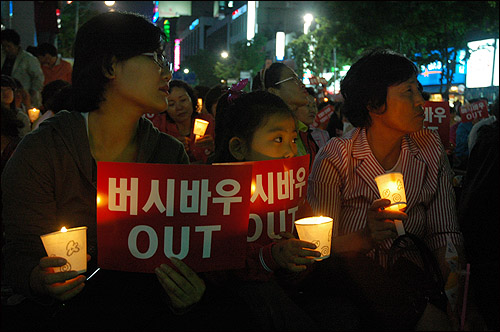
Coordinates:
51 181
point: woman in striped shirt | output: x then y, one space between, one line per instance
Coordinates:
383 100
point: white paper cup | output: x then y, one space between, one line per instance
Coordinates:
317 230
391 187
71 245
200 127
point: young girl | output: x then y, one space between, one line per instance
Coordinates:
255 127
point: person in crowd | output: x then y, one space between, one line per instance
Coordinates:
475 129
461 151
119 74
306 115
284 82
212 97
478 220
22 98
201 91
9 87
56 96
181 115
260 126
11 126
53 66
22 65
383 101
335 124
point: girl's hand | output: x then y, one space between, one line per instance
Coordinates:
380 222
59 285
293 254
185 288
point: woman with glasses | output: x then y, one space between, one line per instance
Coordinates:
281 80
119 74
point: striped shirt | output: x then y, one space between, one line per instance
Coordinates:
342 186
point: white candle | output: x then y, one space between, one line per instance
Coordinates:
391 187
317 230
33 114
70 244
200 127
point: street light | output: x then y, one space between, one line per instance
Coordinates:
308 18
186 71
224 54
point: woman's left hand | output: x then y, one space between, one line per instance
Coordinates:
185 288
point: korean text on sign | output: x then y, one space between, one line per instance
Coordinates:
148 212
437 117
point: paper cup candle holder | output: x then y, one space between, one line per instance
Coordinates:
391 187
200 127
317 230
70 244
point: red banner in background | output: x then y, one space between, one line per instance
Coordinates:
473 111
279 189
437 117
147 212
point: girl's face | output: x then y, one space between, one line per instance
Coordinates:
141 82
291 90
274 139
7 95
180 106
405 108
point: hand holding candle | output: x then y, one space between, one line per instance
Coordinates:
391 187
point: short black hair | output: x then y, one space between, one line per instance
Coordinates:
46 48
49 92
213 95
11 36
365 85
106 36
191 93
267 78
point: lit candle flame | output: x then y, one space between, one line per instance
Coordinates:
63 229
98 200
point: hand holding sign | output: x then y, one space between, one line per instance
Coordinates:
185 288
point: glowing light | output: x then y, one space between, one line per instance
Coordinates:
251 20
109 3
64 229
177 55
280 45
224 54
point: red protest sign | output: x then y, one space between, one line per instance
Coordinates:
475 110
323 115
147 212
437 117
278 190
